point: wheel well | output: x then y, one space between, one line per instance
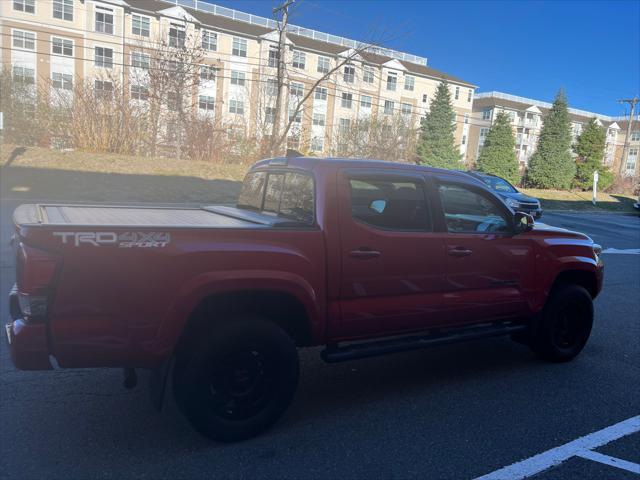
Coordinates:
578 277
283 309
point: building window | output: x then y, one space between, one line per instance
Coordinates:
483 132
486 114
457 94
297 89
206 103
208 73
103 57
409 82
209 40
62 81
174 101
239 47
140 25
388 107
405 109
632 158
271 87
323 65
25 40
269 114
237 78
344 125
392 80
103 89
299 59
27 6
140 60
424 98
63 9
318 119
469 95
274 57
104 22
347 98
635 135
466 118
368 74
320 93
317 144
177 36
236 106
61 46
24 75
349 74
464 140
295 116
365 101
139 92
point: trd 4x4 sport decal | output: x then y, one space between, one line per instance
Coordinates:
122 240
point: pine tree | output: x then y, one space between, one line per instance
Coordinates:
436 146
590 150
551 166
498 155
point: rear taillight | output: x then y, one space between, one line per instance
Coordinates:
35 271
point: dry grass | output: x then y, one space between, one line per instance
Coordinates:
43 158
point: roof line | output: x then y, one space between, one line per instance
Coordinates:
239 16
540 103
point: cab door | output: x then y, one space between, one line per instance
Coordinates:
392 275
489 269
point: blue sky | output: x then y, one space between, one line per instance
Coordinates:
590 48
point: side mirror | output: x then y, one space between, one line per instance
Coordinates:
523 222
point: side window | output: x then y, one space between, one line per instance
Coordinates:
467 211
389 204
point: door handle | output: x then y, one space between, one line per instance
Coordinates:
459 252
364 253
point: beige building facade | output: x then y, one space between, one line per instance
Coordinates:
527 119
60 42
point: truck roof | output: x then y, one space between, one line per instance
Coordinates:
313 163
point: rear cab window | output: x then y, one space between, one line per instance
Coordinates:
389 203
284 194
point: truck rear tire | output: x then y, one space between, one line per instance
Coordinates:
564 327
237 379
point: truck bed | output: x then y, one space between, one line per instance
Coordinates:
129 216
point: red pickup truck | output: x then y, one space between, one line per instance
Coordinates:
363 257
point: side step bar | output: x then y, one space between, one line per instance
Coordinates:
353 351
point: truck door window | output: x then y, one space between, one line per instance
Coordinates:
389 204
467 211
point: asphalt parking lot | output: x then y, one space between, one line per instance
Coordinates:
454 412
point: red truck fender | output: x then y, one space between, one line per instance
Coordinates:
199 288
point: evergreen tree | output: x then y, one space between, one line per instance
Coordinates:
436 146
498 155
551 166
590 150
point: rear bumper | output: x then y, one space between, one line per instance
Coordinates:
27 342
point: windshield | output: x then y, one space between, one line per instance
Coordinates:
499 184
285 194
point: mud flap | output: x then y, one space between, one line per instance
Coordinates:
158 383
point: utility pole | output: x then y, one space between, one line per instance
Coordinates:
625 149
282 41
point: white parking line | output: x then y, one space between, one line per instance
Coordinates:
623 251
555 456
611 461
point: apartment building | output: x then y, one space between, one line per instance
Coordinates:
527 119
60 42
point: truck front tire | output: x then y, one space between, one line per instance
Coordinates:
237 378
565 324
